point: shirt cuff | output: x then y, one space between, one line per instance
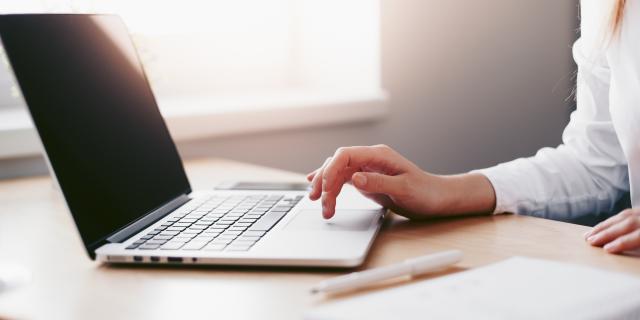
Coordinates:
505 200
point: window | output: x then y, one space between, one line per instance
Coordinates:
214 60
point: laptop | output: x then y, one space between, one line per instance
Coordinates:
121 175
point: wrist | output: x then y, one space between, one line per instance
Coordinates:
462 194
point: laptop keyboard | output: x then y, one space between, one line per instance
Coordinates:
229 223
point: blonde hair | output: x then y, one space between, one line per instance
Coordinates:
616 16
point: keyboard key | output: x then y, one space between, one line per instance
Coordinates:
267 221
162 237
135 244
221 241
172 245
181 224
157 241
254 233
281 209
148 246
210 234
203 238
194 245
215 247
226 237
185 236
204 225
234 247
252 238
243 242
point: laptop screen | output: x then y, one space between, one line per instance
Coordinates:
96 116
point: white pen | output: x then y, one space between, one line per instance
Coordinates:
411 267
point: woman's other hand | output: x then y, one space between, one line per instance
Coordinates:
618 233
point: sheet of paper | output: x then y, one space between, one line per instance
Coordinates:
516 288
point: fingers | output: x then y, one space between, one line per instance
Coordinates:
329 197
373 182
618 233
628 241
312 174
349 159
316 182
607 223
614 231
329 204
339 169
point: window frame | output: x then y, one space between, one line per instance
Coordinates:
18 137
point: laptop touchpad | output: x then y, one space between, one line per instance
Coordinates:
343 220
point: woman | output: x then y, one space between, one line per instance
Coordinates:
597 164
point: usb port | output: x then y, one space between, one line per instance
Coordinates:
137 258
174 259
155 259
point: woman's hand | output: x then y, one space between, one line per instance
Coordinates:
618 233
383 175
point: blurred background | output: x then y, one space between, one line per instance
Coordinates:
452 85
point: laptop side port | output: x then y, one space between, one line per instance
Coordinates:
137 258
174 259
155 259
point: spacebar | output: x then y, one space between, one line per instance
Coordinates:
267 221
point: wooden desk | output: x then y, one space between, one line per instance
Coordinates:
37 231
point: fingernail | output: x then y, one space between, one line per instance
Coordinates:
586 234
591 239
359 180
325 213
610 246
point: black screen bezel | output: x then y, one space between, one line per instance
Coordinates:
185 189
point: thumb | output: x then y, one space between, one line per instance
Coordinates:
373 182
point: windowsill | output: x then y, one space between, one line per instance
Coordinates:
195 119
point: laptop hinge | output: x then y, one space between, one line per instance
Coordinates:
148 219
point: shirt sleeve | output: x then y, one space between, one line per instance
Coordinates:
583 178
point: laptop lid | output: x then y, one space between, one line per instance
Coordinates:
97 118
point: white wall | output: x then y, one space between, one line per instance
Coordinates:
471 84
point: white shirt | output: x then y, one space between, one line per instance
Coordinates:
599 160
